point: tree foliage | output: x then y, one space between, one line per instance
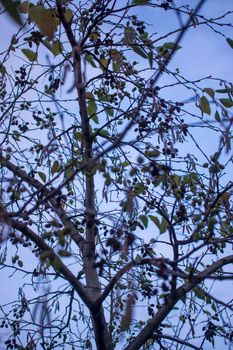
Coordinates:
116 217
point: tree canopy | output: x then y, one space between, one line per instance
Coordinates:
116 176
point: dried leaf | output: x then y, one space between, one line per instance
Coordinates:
127 317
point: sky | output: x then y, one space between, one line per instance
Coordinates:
203 53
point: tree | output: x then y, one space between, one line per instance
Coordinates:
117 231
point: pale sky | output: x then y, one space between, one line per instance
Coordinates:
204 53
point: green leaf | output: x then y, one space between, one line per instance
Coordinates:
209 91
104 63
224 91
165 49
226 102
204 105
56 47
78 136
42 176
116 67
139 188
138 259
152 154
213 307
199 294
217 117
171 46
144 220
230 42
91 107
124 164
47 44
139 51
31 55
117 59
90 60
45 19
177 180
150 58
163 226
12 10
109 111
2 69
155 220
144 36
95 118
104 133
20 263
68 171
55 167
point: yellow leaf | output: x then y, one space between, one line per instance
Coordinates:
45 19
204 105
103 63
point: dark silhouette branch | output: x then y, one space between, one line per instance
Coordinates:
153 324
